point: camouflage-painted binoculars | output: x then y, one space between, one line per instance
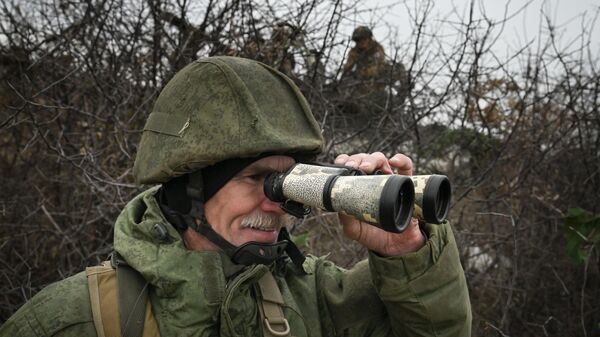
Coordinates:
386 201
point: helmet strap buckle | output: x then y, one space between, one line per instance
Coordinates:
295 208
260 253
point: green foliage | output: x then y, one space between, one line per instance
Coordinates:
582 230
302 240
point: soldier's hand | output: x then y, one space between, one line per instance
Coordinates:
375 238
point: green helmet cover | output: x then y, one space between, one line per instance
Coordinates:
361 32
219 108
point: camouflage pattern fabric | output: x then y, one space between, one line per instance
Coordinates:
364 70
366 64
355 195
203 294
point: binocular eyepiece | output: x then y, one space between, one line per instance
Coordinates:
386 201
432 197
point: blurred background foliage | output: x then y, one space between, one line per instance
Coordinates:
518 135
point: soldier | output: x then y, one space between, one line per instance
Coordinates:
205 253
280 48
366 60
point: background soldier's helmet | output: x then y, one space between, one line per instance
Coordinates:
361 32
219 108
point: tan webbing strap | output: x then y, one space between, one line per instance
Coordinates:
95 303
271 314
103 294
105 302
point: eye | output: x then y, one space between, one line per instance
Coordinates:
256 177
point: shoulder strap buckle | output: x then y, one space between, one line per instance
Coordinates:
270 309
286 329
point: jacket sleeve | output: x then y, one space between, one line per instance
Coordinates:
425 293
418 294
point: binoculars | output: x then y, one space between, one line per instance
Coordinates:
386 201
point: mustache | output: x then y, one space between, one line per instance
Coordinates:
264 221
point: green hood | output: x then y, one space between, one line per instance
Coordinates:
192 293
174 272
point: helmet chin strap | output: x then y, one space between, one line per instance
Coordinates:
249 253
181 201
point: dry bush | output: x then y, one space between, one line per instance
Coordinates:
517 135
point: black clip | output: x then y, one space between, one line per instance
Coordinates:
295 208
161 232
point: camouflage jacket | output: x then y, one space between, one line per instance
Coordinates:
193 294
366 64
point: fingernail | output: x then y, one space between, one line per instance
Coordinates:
350 163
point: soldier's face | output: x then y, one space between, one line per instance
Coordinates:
362 43
240 212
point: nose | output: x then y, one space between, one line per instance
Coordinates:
269 206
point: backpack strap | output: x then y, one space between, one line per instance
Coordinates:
274 322
114 285
102 285
133 295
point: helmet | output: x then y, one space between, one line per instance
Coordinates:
220 108
361 32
